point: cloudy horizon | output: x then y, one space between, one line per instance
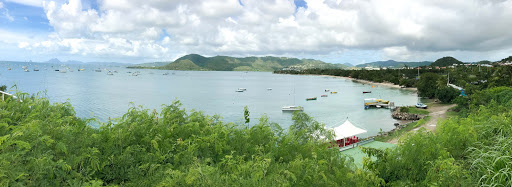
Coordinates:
334 31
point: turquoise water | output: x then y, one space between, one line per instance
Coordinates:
95 94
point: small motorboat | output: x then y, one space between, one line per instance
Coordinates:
8 68
166 73
293 108
243 89
269 89
327 90
98 70
311 99
367 92
110 73
334 92
240 90
324 96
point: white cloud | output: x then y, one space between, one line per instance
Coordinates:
35 3
399 29
1 5
23 44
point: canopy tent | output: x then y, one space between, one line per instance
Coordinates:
346 130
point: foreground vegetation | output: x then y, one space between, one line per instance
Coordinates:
44 144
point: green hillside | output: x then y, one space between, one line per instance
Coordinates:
446 61
226 63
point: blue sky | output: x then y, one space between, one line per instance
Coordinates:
335 31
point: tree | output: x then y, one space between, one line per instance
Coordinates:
246 115
427 85
447 94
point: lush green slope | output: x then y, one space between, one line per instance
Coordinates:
226 63
446 61
394 64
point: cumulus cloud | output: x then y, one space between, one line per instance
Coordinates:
158 29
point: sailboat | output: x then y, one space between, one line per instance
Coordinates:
293 107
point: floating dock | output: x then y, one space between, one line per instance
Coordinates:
378 103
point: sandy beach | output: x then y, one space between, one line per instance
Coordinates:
382 84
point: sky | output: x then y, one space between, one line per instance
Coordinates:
335 31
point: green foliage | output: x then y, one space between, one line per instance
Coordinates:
43 144
3 88
447 94
246 115
427 85
404 109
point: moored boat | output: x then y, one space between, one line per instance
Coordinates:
324 96
293 108
334 92
311 98
327 90
367 91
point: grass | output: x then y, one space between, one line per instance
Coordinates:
409 127
414 110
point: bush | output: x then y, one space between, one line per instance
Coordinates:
404 109
447 94
427 85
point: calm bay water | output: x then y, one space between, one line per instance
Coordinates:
96 94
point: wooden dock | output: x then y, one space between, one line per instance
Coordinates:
389 105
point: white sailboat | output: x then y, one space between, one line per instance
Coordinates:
293 107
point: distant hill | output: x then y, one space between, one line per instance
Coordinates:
348 64
506 60
54 61
153 64
446 61
226 63
394 64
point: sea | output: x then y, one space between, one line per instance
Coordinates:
100 95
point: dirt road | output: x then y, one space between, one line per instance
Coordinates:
437 112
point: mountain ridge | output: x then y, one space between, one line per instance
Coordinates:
252 63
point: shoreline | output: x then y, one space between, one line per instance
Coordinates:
383 84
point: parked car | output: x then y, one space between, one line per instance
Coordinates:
421 105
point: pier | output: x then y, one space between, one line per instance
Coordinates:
378 103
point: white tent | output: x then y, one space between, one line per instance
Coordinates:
346 130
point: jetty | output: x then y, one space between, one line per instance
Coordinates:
377 103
